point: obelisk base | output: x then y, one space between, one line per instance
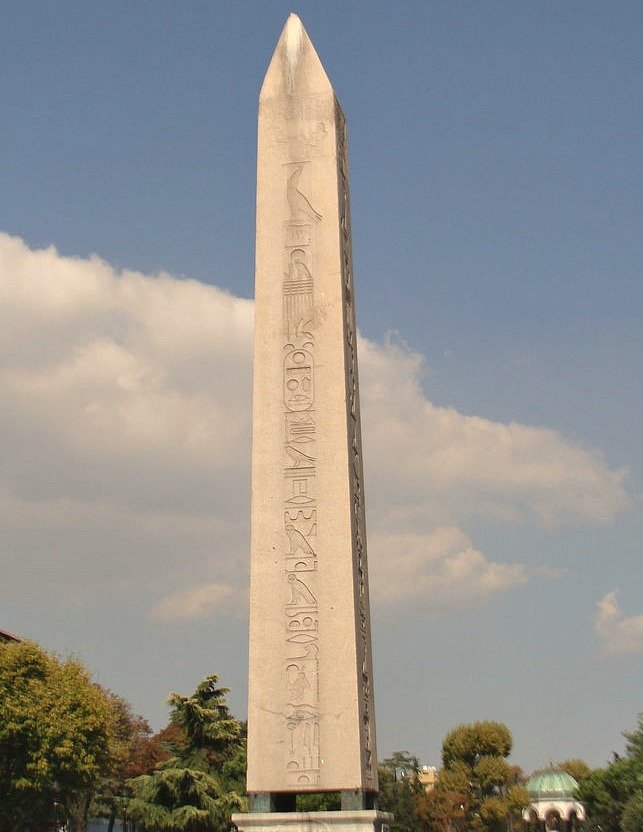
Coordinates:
366 820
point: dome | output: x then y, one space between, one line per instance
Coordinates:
551 783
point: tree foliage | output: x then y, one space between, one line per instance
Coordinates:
634 745
399 791
134 751
444 810
208 729
476 789
181 799
578 769
54 736
613 796
632 818
467 744
197 788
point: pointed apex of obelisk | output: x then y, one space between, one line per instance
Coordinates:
294 35
295 67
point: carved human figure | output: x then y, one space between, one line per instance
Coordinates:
298 684
303 724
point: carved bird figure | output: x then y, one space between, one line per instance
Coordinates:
300 207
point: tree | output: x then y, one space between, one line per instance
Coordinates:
196 789
319 802
632 818
578 769
181 799
634 746
209 729
613 795
605 793
399 790
134 751
444 811
54 736
469 743
481 790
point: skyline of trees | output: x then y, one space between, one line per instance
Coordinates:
70 749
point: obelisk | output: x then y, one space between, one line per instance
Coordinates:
310 710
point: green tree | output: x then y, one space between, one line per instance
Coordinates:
54 737
634 746
319 802
134 751
482 789
196 789
468 743
181 799
605 793
399 791
632 818
578 769
209 729
612 795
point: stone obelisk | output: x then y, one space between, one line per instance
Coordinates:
310 711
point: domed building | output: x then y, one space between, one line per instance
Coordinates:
553 803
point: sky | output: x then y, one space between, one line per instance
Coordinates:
496 162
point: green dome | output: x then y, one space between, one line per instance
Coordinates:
551 783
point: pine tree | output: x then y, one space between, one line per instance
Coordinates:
198 787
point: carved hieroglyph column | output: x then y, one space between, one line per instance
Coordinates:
311 719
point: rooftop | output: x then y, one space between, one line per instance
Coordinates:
551 783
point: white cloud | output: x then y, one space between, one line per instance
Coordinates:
125 435
197 602
433 460
440 568
119 386
616 633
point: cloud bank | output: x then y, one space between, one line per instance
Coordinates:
125 430
453 465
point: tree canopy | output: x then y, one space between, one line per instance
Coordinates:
54 735
613 796
66 744
399 790
578 769
468 744
476 789
200 785
134 751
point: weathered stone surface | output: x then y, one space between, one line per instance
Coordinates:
311 718
363 821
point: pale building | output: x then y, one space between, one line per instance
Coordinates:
427 775
553 803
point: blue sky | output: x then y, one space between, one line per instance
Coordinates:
496 161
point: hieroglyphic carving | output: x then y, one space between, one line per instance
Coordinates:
302 124
355 451
298 203
301 554
298 379
298 295
301 610
300 428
